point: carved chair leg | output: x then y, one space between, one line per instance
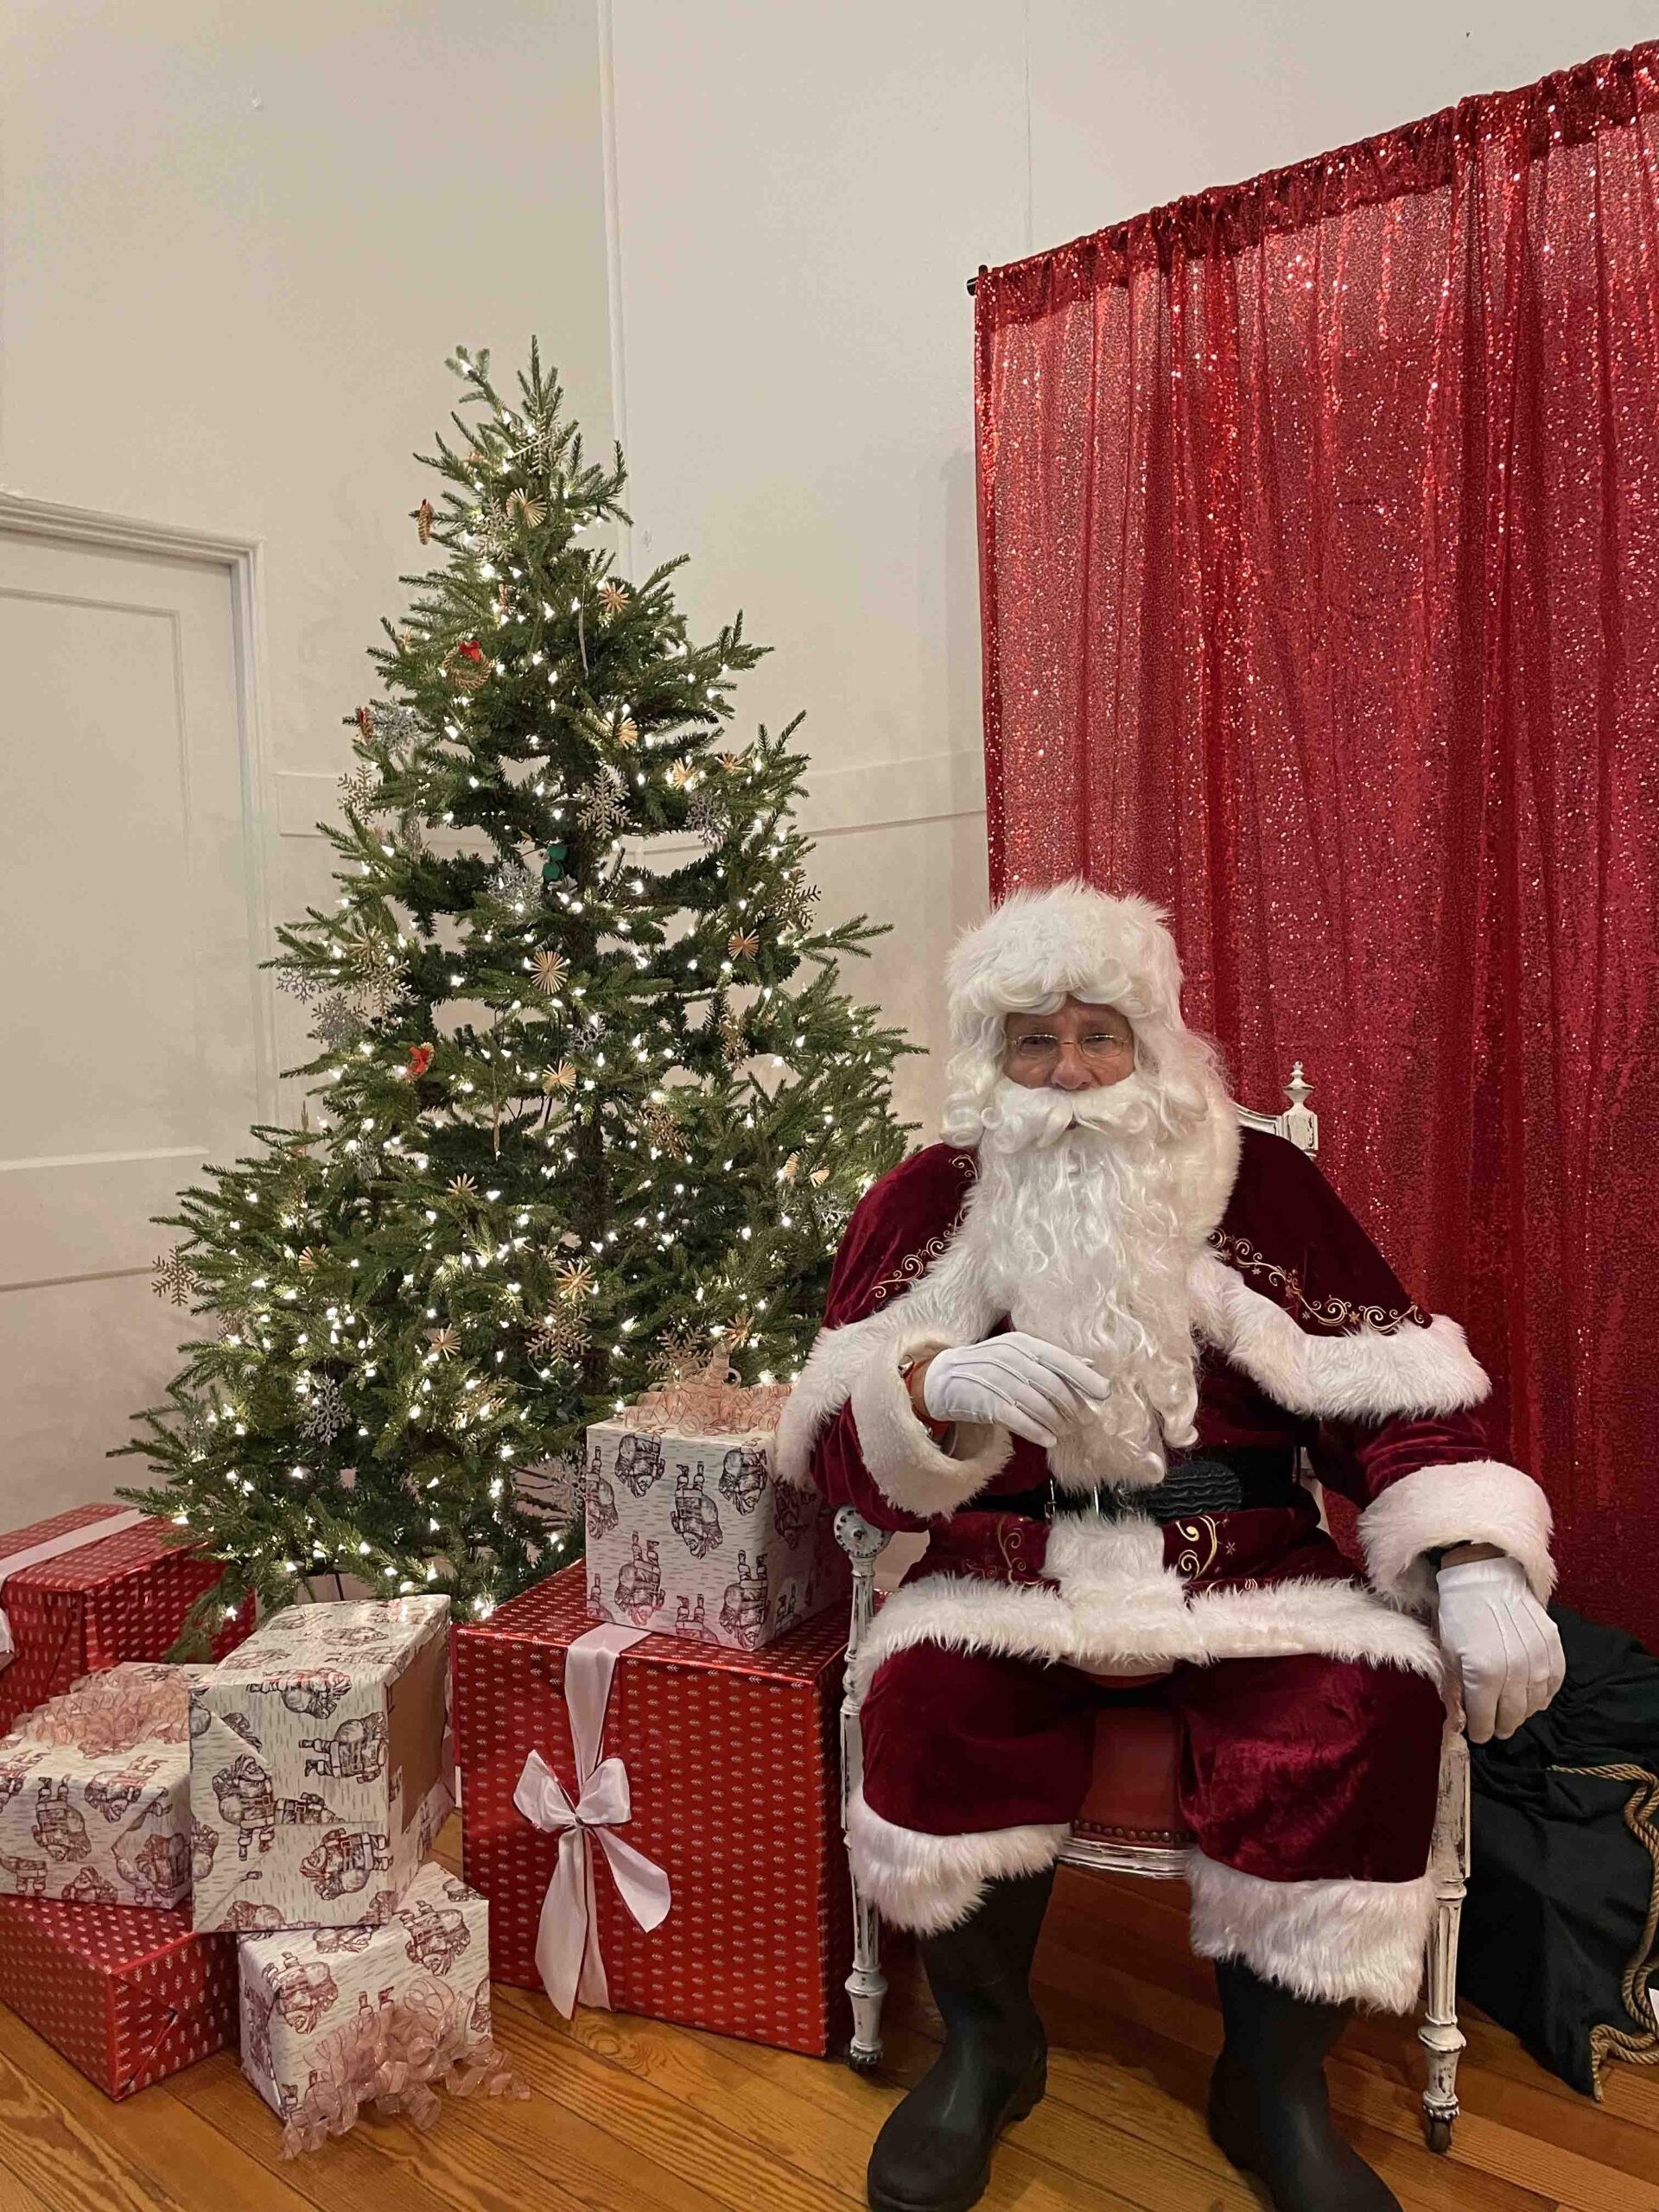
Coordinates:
1440 2034
866 1985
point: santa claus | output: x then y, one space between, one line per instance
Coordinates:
1079 1344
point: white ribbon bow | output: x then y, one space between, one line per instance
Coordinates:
112 1524
567 1942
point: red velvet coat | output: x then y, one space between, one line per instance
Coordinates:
1307 1340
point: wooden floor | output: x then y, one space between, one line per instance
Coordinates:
626 2115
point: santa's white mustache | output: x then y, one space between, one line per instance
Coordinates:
1017 1118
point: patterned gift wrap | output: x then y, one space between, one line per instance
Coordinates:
95 1792
432 1956
125 1597
127 1996
317 1778
693 1536
731 1772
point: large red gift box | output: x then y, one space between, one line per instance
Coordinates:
733 1772
127 1994
125 1597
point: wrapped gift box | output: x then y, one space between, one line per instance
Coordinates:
688 1530
317 1765
731 1761
95 1792
126 1995
432 1958
108 1598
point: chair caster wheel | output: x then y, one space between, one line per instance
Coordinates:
1436 2132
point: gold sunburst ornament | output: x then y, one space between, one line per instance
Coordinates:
575 1281
562 1078
524 509
463 1187
308 1262
614 596
742 944
445 1342
551 970
627 732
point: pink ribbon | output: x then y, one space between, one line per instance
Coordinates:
94 1532
566 1941
695 1408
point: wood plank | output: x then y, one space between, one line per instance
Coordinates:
481 2156
75 2148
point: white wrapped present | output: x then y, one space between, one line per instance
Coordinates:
336 2018
318 1770
690 1534
95 1791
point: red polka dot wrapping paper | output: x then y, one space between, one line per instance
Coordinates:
125 1597
733 1763
129 1996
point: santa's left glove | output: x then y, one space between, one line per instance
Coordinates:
1507 1649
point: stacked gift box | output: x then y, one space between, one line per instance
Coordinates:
651 1752
96 1948
649 1740
186 1852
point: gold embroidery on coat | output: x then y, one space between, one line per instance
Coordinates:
1326 1312
1201 1528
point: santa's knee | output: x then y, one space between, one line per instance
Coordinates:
973 1769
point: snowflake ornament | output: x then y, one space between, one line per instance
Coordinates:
175 1281
326 1414
558 1336
338 1024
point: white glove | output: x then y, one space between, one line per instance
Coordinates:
1014 1381
1506 1648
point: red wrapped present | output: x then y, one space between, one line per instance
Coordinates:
127 1994
73 1601
711 1774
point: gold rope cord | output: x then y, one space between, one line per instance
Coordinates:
1607 2040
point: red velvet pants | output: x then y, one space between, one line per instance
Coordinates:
1296 1769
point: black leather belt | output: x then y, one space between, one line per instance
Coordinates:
1226 1480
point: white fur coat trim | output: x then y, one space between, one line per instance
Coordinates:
1368 1375
1338 1942
911 1470
1475 1502
1119 1609
930 1883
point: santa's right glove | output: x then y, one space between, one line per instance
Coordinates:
1014 1381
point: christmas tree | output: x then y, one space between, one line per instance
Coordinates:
592 1106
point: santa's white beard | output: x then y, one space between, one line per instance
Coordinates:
1075 1231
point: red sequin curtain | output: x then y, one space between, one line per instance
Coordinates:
1319 546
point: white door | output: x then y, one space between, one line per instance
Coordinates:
135 1020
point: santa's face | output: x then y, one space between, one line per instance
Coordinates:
1077 1048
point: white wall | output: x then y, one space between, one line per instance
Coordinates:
801 192
237 243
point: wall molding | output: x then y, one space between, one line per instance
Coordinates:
244 560
933 787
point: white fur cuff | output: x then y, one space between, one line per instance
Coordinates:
1477 1502
1337 1943
906 1465
930 1883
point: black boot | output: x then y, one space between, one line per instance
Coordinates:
934 2153
1270 2110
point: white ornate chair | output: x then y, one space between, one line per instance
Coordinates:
1130 1822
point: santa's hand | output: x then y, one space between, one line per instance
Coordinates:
1014 1381
1507 1649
